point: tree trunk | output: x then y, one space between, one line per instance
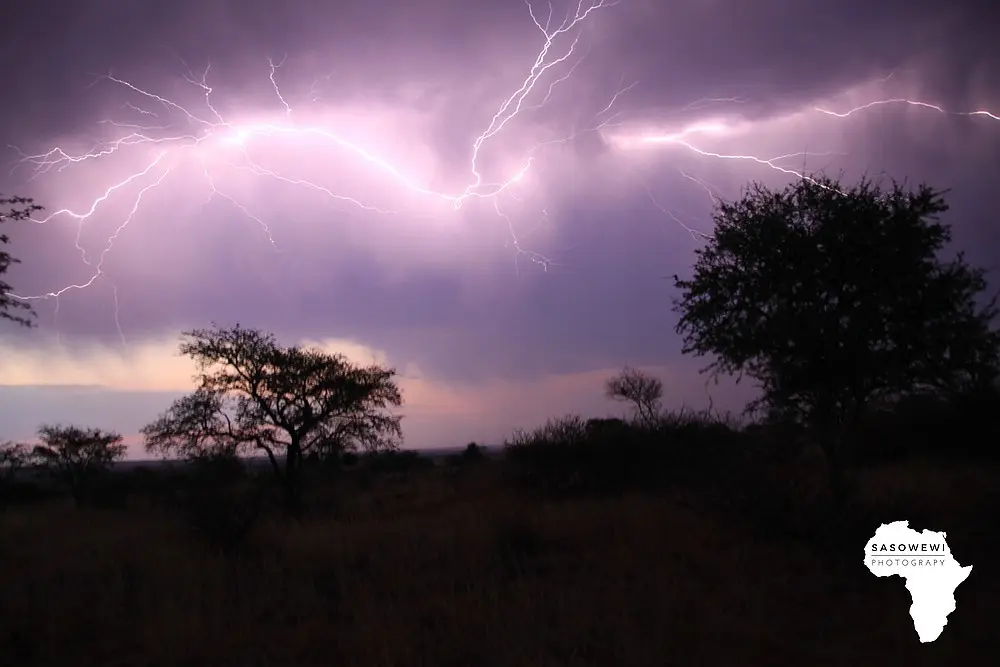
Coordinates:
76 491
829 420
274 461
293 461
76 487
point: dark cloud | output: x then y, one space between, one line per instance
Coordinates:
781 53
776 51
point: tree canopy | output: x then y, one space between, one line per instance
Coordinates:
254 394
643 391
21 208
74 454
831 296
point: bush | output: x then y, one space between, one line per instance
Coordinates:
612 455
398 461
928 425
218 469
472 454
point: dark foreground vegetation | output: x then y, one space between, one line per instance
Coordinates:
664 539
548 557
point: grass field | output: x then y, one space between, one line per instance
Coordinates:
455 566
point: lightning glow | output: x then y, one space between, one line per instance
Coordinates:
912 103
168 137
691 138
208 137
686 136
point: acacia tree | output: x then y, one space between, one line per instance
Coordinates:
20 209
832 297
75 455
638 388
254 394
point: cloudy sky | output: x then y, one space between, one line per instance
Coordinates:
485 194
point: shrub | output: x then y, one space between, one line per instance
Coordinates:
612 455
398 461
472 454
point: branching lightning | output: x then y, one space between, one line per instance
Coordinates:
207 137
913 103
686 138
209 133
683 138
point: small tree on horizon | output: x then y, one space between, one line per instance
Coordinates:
643 391
832 297
13 457
75 455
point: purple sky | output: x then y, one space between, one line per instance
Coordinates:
318 199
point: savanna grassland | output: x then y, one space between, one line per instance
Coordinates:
739 560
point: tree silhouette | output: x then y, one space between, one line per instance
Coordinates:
643 391
20 209
831 298
74 455
197 427
284 401
13 457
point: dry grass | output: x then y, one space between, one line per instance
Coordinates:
431 569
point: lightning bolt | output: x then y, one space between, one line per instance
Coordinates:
683 137
208 135
913 103
687 139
